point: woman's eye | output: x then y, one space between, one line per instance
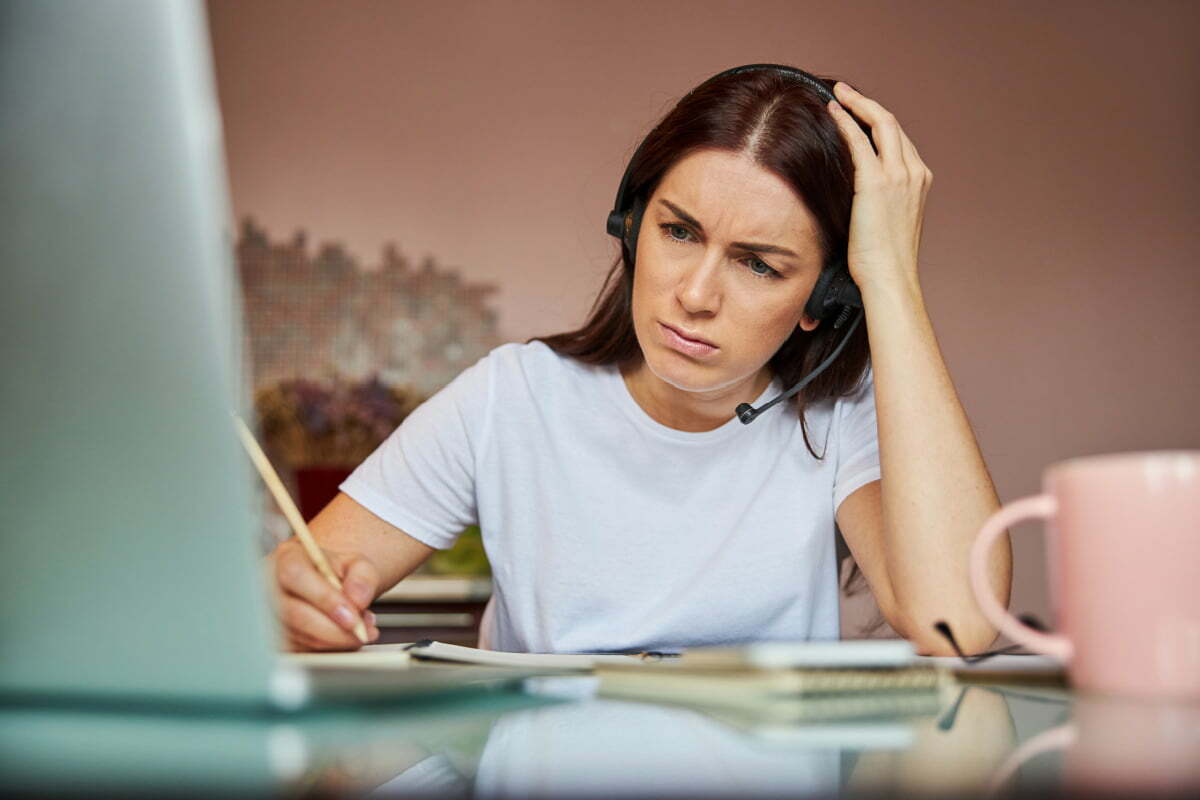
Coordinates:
672 229
761 268
681 235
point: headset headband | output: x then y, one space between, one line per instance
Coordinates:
616 218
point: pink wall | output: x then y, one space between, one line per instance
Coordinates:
1060 246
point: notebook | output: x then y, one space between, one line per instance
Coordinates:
130 514
742 686
767 655
850 707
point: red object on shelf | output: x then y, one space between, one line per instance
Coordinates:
316 486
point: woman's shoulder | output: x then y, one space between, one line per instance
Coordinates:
537 363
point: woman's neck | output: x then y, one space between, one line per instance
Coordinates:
693 412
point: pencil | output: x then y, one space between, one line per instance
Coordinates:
271 478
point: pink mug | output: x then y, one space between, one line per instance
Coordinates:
1123 553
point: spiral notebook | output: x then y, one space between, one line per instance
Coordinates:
742 686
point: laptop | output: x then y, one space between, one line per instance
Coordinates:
130 564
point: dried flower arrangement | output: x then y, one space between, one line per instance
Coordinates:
307 423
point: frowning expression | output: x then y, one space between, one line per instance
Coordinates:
727 255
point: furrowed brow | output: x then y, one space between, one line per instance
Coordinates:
754 246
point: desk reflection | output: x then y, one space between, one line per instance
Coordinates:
61 751
957 751
599 746
975 740
620 748
1114 745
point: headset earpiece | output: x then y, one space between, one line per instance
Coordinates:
833 291
632 225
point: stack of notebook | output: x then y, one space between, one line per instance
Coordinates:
782 681
850 693
787 681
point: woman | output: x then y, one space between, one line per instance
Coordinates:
623 505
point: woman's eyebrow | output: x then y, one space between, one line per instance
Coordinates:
695 223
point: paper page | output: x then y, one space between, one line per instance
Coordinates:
372 655
470 655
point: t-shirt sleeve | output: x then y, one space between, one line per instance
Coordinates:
858 441
422 477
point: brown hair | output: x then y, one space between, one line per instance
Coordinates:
784 126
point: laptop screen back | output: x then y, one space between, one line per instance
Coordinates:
128 557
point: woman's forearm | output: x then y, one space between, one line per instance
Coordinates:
936 490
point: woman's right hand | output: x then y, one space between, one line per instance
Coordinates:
315 615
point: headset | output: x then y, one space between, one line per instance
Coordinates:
835 293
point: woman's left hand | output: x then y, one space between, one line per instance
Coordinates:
889 193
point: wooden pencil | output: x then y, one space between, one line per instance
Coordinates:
271 478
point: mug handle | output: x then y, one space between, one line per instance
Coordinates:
1041 506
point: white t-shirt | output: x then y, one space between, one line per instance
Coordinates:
607 530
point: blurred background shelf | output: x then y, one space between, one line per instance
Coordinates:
426 588
445 608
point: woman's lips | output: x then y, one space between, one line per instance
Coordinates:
690 347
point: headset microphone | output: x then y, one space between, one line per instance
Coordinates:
748 413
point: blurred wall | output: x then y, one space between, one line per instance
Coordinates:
1059 255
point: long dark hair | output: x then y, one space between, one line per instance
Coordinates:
784 126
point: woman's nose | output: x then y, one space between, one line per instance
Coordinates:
699 289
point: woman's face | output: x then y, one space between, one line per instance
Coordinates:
727 254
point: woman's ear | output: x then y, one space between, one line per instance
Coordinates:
807 323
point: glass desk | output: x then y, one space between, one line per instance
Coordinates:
557 739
